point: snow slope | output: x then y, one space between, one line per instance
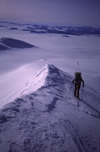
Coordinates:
50 118
8 43
62 50
15 83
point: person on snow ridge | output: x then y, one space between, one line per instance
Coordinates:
77 81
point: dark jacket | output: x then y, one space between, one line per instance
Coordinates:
78 81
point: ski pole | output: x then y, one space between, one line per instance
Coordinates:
82 93
70 88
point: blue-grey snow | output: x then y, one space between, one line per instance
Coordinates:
8 43
51 118
38 111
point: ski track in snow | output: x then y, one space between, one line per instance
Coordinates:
50 119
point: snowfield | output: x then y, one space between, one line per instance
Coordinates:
38 111
20 81
50 119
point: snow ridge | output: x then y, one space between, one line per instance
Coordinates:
8 43
45 120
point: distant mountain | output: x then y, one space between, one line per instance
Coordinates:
7 43
64 30
70 30
13 28
49 119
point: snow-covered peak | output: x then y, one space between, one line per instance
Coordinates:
29 78
56 76
53 76
49 75
52 72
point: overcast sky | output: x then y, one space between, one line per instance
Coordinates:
57 12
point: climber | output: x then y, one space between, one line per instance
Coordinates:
77 81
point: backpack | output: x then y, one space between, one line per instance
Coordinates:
78 75
78 78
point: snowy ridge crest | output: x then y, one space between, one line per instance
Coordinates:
48 78
44 121
54 75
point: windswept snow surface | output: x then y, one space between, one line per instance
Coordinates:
38 110
20 81
51 118
62 50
